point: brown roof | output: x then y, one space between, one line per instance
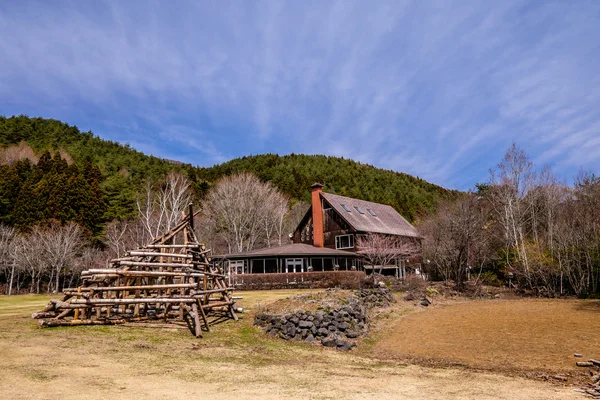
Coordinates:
295 249
386 219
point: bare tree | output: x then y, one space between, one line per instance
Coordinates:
21 151
243 211
161 207
61 245
456 239
511 184
29 254
7 236
380 250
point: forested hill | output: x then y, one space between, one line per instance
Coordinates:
125 170
294 174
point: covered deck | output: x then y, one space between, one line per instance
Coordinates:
291 258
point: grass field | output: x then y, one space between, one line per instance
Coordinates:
234 360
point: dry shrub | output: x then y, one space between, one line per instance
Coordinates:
305 280
414 283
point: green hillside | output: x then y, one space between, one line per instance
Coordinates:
124 170
293 174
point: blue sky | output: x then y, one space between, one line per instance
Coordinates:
437 89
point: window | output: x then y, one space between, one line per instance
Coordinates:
345 207
344 242
359 210
237 267
371 212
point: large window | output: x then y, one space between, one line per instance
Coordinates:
237 267
344 242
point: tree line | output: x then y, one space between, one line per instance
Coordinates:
126 170
521 227
239 213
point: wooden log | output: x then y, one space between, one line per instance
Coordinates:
595 362
196 316
137 287
151 300
119 273
156 254
155 264
584 364
215 305
38 315
48 323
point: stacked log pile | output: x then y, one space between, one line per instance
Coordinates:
169 279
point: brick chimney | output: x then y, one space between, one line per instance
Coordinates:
317 215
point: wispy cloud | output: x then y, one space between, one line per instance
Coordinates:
438 89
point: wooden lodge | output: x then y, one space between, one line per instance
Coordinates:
326 240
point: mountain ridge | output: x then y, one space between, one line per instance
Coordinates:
125 169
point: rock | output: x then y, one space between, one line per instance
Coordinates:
323 332
310 318
351 334
328 342
305 324
342 326
344 345
309 339
304 332
313 330
294 320
273 332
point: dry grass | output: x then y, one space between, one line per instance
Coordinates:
532 337
233 360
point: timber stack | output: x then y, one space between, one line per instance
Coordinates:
170 279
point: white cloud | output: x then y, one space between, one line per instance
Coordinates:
436 89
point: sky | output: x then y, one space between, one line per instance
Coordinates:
436 89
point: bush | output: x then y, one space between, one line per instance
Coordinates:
304 280
491 279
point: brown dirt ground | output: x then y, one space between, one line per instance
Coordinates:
233 360
534 337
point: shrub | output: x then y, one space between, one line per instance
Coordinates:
304 280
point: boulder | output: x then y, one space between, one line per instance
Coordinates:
305 324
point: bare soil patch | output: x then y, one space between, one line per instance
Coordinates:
533 337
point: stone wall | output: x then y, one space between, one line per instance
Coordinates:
331 327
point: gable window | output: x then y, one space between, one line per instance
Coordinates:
345 207
359 210
344 242
371 212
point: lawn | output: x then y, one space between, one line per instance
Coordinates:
235 359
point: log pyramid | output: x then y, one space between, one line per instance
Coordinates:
169 279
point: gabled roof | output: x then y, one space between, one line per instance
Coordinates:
386 219
295 249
